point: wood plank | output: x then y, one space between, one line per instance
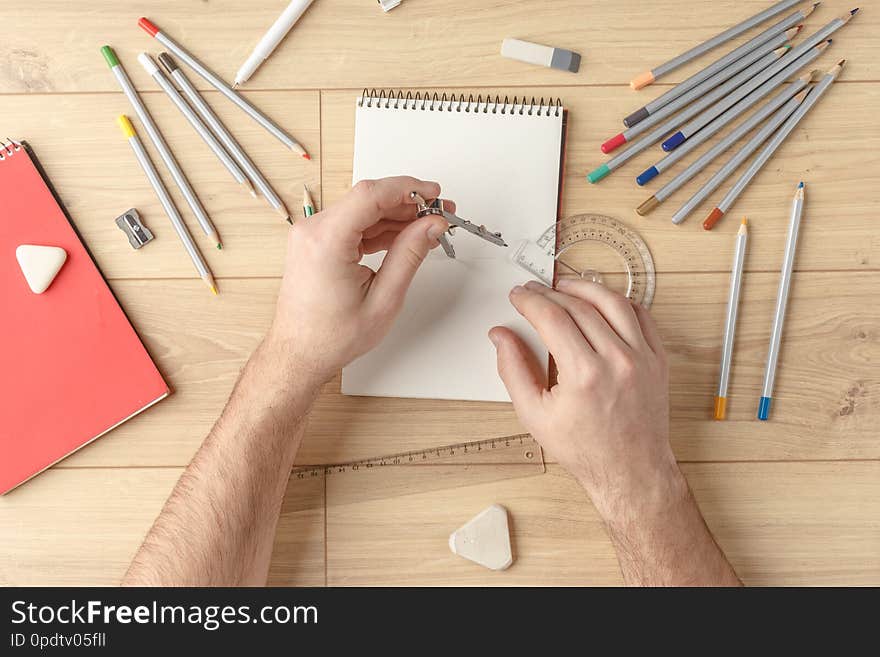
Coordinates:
54 46
780 524
96 174
82 528
826 400
834 150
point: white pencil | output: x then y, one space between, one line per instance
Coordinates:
736 276
271 39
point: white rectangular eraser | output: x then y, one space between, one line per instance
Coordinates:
535 53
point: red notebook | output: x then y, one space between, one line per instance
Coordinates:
71 366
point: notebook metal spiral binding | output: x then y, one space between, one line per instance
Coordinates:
8 148
433 102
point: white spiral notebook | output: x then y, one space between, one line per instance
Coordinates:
501 161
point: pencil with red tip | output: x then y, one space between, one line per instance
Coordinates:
649 77
733 77
215 81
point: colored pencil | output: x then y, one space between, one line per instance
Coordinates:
692 110
786 24
308 203
209 117
777 44
153 70
170 209
783 104
749 93
730 115
736 276
649 77
797 211
762 135
161 145
214 80
773 145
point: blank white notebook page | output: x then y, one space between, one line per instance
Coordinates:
502 170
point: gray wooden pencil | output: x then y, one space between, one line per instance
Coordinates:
749 93
224 135
164 198
736 276
729 116
778 104
762 135
692 110
214 80
777 44
237 174
649 77
773 145
786 25
160 144
797 212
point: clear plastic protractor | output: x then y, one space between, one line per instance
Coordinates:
565 241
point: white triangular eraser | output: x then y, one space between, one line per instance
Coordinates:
40 264
485 539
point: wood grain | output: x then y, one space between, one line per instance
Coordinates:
780 524
617 40
826 398
792 501
835 150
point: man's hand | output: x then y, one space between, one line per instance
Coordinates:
606 420
331 309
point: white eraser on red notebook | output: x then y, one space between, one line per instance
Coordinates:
40 264
484 539
535 53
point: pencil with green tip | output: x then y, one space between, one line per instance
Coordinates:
697 106
161 145
164 198
308 203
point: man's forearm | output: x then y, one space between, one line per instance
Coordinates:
663 540
218 526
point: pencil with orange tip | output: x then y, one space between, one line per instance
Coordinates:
772 146
649 77
165 199
736 276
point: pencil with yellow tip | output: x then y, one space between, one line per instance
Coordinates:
170 209
308 203
736 276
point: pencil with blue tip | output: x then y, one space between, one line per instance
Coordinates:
686 113
797 211
736 277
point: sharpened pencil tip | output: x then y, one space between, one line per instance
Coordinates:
745 221
853 12
219 246
289 220
841 62
306 156
801 185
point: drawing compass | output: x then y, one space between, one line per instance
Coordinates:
436 207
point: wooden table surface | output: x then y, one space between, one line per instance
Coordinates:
792 501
